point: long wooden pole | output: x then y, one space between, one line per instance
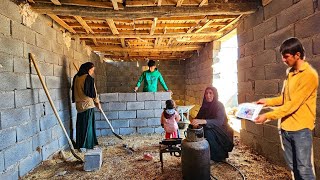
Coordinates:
54 108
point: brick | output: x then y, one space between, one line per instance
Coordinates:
267 27
308 27
254 73
10 174
7 138
109 97
275 71
117 106
161 96
27 130
276 7
316 45
127 97
17 152
6 62
5 25
254 47
275 39
138 122
152 104
127 114
14 117
294 13
158 112
11 46
120 123
145 113
127 131
49 149
154 122
145 130
266 57
29 163
135 105
143 96
266 87
254 19
26 97
6 99
23 33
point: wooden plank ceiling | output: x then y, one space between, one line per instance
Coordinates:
140 29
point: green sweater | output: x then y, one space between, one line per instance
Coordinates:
151 81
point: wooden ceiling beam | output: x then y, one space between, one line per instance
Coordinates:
146 3
153 26
115 5
84 24
136 49
84 3
56 2
62 23
203 2
95 42
207 24
143 12
112 26
109 36
123 43
140 57
179 3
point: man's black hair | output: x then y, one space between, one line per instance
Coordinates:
151 63
292 46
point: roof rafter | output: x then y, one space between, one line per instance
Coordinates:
112 26
175 48
84 24
62 23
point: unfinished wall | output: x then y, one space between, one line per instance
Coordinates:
29 132
199 76
123 76
261 72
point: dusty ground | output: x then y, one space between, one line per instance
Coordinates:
119 163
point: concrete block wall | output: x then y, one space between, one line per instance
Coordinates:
261 71
123 76
199 76
131 113
29 131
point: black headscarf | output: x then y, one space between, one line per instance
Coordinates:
89 89
208 110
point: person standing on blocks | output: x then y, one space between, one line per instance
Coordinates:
150 78
296 106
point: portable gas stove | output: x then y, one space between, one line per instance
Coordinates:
172 146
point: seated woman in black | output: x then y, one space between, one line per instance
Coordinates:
212 116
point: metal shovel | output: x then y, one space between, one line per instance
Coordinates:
110 125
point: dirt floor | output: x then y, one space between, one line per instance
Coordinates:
122 163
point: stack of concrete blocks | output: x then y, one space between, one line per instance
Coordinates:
131 113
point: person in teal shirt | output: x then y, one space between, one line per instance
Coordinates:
150 78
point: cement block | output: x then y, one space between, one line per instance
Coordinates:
14 117
267 86
266 57
26 97
93 160
117 106
120 123
255 73
244 63
135 105
254 128
276 7
245 87
58 70
49 149
6 99
6 62
143 96
7 138
294 13
308 27
127 114
42 42
47 122
11 46
158 130
54 82
316 45
265 28
127 131
57 48
57 131
145 113
23 33
111 115
162 95
63 141
158 112
275 70
108 132
271 134
254 47
10 174
17 152
44 137
109 97
12 81
1 162
245 37
145 130
275 39
138 122
21 65
46 69
10 10
29 163
127 97
102 124
5 25
154 122
27 130
152 104
254 19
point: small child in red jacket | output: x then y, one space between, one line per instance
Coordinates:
169 119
